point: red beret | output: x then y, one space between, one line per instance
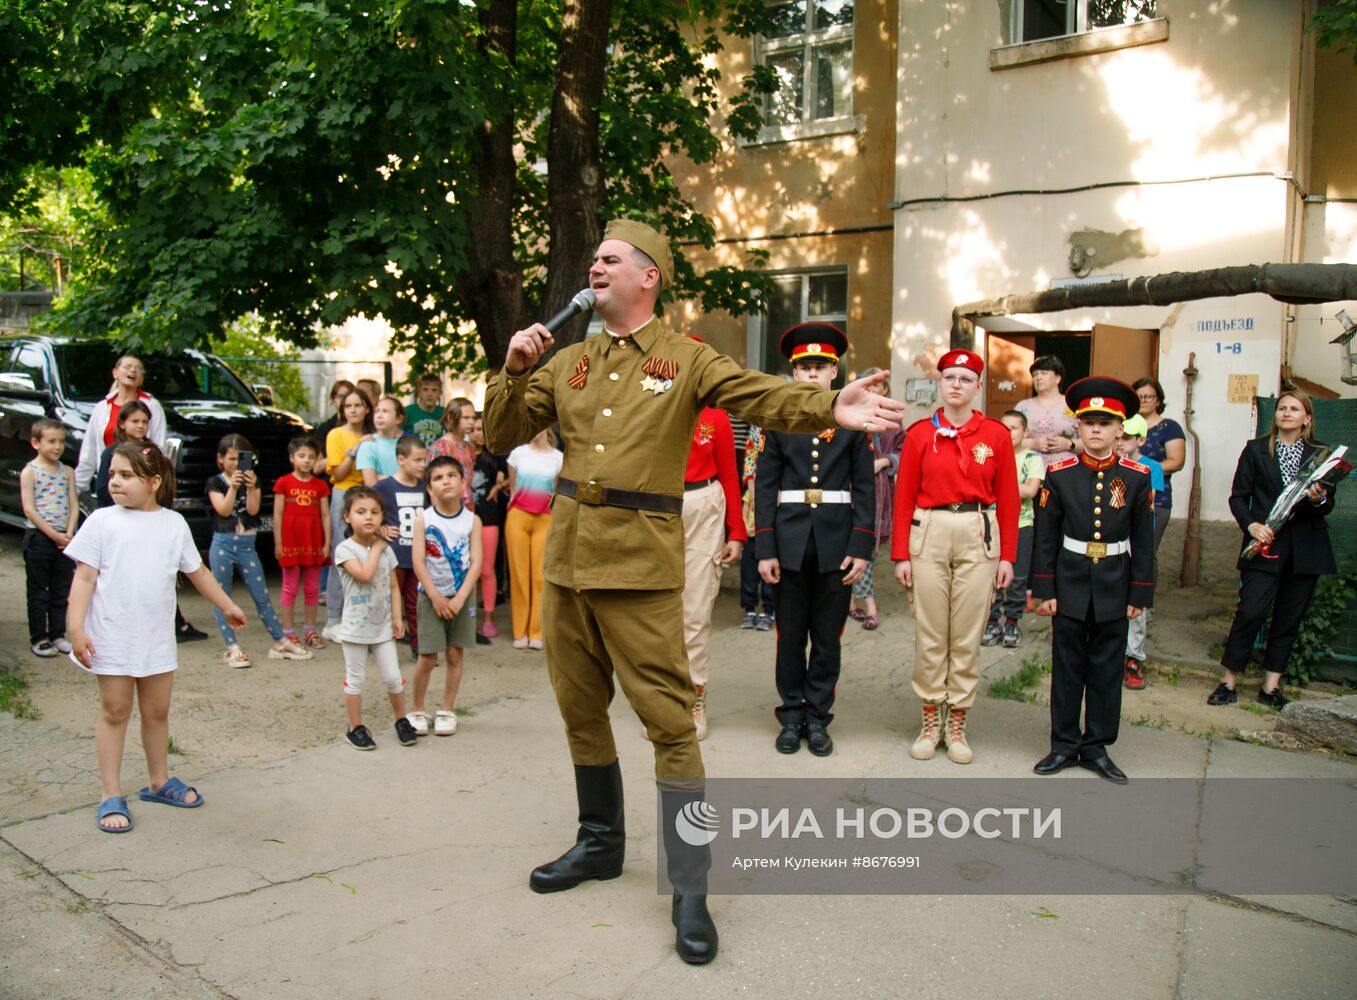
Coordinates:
961 359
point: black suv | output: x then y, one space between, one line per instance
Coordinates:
202 398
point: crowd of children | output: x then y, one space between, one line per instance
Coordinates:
403 508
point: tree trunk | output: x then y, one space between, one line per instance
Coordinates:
575 170
491 286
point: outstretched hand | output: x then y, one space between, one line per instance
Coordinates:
858 408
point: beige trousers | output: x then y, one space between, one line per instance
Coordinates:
953 588
704 535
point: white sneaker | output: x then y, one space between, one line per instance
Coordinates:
62 644
420 721
331 632
290 649
43 648
444 723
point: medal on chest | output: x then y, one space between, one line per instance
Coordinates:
827 435
660 375
705 432
981 453
1118 488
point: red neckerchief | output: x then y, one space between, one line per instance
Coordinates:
943 428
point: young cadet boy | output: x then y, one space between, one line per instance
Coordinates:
1093 571
815 517
403 497
424 416
447 559
47 493
1133 432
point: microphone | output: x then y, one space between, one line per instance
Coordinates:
583 299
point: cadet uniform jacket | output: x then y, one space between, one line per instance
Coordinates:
1102 501
627 408
838 460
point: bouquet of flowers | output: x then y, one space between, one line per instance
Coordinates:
1324 468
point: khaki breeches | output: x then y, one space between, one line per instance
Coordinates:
637 635
953 587
704 535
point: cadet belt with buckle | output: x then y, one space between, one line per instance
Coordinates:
814 496
964 508
606 496
1097 550
700 484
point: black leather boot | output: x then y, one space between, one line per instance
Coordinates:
602 839
695 937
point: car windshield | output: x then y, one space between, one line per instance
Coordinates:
86 375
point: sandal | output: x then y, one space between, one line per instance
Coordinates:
314 640
173 793
870 622
114 805
237 658
858 615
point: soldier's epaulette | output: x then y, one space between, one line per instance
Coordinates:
1134 465
1064 464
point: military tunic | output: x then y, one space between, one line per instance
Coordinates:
1099 502
627 407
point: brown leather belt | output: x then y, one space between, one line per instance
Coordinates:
606 496
701 484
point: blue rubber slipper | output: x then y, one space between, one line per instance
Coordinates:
172 793
114 805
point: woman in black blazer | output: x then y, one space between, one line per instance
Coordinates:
1282 578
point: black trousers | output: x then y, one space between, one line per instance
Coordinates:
48 574
1286 595
1087 660
752 586
813 605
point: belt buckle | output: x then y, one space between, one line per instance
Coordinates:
954 507
815 496
590 493
1097 550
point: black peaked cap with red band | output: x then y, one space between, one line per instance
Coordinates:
813 342
1098 395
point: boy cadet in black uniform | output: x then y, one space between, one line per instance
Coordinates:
1093 570
814 514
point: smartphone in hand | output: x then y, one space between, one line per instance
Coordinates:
245 463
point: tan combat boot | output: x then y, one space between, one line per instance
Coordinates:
958 750
700 712
930 735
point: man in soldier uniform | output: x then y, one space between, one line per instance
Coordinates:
815 522
627 402
1093 570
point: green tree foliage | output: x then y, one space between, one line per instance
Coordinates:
55 225
260 358
303 162
1335 26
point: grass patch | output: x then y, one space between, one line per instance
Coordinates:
1015 687
1255 708
1217 650
1145 721
175 748
14 697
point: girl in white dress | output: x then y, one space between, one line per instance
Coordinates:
121 620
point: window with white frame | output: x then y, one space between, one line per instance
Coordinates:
802 297
809 48
1037 19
